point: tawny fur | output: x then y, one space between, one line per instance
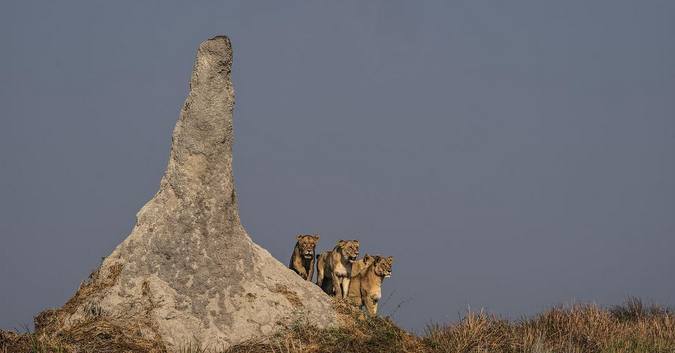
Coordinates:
365 289
334 267
302 260
361 264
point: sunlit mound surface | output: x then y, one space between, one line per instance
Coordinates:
189 272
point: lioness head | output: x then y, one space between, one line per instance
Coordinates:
368 260
349 249
383 265
307 244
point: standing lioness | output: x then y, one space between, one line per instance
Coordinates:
302 260
366 287
334 267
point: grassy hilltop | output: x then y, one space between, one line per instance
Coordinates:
631 327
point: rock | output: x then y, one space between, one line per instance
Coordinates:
189 273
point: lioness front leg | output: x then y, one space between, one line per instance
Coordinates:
345 286
371 305
302 272
319 273
310 274
337 285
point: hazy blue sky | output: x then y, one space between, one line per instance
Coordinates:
510 155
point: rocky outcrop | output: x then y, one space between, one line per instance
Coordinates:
188 272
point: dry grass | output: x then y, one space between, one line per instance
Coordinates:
588 328
359 333
99 338
629 328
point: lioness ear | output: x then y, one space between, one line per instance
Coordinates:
390 259
298 237
340 242
356 241
316 237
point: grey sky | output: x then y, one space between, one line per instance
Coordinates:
509 155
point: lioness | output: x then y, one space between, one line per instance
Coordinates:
302 260
366 287
334 267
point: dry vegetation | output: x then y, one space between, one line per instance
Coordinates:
631 327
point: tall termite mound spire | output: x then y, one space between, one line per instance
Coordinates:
189 272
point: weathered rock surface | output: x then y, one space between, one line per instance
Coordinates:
188 272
